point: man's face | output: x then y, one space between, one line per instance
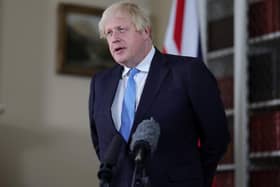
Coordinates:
126 45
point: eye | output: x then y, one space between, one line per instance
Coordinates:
109 33
121 29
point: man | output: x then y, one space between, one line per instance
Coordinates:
177 92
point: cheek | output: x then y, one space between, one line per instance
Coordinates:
110 48
136 46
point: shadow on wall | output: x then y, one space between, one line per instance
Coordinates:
43 158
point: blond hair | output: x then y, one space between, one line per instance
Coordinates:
138 16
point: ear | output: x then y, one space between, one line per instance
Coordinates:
147 33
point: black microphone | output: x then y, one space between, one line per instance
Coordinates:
110 159
144 140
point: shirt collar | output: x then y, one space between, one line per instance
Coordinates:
144 65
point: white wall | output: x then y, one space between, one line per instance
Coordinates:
44 132
160 17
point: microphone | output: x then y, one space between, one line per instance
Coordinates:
144 140
110 160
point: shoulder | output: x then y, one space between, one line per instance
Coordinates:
182 59
189 68
105 78
107 73
185 63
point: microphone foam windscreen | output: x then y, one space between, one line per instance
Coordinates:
148 131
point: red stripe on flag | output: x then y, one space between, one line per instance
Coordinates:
164 51
178 31
214 183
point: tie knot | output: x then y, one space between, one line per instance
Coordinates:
133 72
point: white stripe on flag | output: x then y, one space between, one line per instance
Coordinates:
190 31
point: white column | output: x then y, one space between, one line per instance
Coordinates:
202 12
240 93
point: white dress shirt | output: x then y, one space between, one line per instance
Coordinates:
140 79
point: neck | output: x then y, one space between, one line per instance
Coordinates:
146 49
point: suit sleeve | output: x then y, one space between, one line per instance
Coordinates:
212 122
94 135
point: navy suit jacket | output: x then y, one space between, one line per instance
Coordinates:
181 94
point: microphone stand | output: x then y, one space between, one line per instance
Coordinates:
139 178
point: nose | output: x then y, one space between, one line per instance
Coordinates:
115 38
115 34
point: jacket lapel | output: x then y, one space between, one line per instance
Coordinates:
158 71
111 85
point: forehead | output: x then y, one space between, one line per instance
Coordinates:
118 19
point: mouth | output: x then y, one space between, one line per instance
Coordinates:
118 49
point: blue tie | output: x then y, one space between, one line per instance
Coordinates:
128 107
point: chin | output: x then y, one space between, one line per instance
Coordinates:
120 61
